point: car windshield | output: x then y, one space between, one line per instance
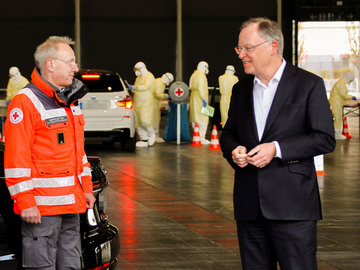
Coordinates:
104 83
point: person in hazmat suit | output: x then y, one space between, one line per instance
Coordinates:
15 84
144 89
338 94
226 82
160 95
199 97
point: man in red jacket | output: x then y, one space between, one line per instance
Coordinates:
46 168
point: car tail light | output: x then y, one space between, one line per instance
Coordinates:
101 267
127 103
90 76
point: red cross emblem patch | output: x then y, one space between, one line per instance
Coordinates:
179 92
16 115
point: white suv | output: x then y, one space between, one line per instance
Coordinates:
107 108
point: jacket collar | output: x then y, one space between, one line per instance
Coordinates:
68 97
41 83
283 91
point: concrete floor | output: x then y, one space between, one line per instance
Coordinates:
173 206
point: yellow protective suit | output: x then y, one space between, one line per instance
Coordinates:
338 94
159 95
14 87
226 82
144 89
199 91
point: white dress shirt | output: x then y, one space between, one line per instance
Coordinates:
263 96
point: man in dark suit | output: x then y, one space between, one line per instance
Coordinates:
279 119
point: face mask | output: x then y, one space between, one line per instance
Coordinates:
137 73
231 72
207 71
15 78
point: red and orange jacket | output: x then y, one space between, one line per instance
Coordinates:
45 161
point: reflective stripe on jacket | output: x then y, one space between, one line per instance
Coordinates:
45 161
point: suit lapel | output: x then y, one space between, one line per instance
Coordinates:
250 103
283 91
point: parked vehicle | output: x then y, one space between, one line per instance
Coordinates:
99 238
107 108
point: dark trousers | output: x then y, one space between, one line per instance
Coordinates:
264 243
52 244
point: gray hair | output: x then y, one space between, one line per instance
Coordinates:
49 49
268 30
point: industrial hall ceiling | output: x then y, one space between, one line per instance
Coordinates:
116 34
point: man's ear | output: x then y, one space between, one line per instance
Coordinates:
49 64
274 47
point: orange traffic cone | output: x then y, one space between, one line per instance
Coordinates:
214 145
196 137
346 129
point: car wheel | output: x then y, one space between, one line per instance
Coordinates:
128 144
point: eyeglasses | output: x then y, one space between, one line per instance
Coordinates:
67 62
238 49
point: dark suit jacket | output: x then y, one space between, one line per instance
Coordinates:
300 120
